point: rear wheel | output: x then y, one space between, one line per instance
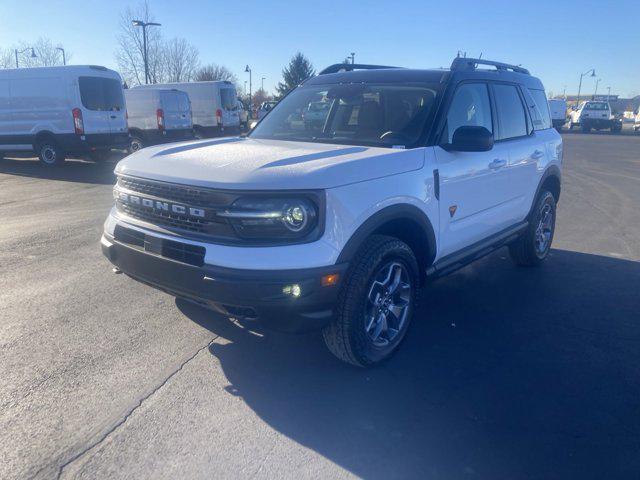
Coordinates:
586 129
376 303
50 153
532 248
135 144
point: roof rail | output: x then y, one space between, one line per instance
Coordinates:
348 67
462 63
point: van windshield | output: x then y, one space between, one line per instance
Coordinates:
228 98
102 94
352 114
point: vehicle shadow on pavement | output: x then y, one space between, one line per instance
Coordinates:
507 372
72 170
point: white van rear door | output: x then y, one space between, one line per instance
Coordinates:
228 100
95 108
176 110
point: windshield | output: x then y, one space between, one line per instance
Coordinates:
378 115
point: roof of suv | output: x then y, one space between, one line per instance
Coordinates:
458 72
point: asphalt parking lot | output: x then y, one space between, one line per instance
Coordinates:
506 373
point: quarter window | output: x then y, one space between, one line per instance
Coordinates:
511 115
470 107
539 110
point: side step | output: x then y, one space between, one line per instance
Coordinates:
464 257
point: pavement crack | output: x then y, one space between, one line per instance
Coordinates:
128 415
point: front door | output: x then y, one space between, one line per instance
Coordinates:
473 185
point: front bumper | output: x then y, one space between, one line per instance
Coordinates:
246 294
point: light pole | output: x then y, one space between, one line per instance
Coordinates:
593 74
245 87
144 25
608 93
33 53
262 84
64 58
595 92
564 92
353 58
248 70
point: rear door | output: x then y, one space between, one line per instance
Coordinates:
230 114
473 185
169 105
96 109
115 102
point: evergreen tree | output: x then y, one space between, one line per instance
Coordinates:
298 70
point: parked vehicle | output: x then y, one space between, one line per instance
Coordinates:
213 106
266 108
243 115
594 115
636 125
415 174
157 116
59 112
558 110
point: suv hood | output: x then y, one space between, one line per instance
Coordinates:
246 163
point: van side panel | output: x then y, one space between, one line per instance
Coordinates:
40 104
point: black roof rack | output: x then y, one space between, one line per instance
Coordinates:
462 63
348 67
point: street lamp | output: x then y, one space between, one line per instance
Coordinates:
608 93
593 74
353 58
245 87
64 59
262 84
248 70
595 92
144 25
33 53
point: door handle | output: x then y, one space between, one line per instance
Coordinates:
497 163
537 155
113 116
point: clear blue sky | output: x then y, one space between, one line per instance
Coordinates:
556 40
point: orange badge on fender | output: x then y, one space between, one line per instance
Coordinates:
452 210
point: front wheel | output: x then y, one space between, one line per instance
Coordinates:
532 248
376 303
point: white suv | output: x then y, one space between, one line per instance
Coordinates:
412 175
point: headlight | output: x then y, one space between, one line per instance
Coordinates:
272 218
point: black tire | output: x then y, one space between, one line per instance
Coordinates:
527 250
50 153
198 134
135 144
586 129
347 336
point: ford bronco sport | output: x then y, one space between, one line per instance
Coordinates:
335 225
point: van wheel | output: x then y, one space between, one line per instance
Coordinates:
50 153
376 303
135 144
532 248
586 129
198 134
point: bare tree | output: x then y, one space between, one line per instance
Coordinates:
47 54
130 53
180 60
215 72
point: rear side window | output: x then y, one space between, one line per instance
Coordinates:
170 101
511 115
539 110
102 94
470 107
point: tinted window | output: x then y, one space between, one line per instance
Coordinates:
511 116
470 107
98 93
596 106
540 110
228 98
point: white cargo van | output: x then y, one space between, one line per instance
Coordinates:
558 110
157 116
58 112
213 106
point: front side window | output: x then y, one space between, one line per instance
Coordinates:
470 107
352 114
511 114
101 94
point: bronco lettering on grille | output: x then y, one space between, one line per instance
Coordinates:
158 205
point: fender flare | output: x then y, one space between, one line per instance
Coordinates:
552 171
401 211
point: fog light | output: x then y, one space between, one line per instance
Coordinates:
293 290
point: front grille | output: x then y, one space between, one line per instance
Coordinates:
208 201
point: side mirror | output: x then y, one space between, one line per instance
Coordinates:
471 139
